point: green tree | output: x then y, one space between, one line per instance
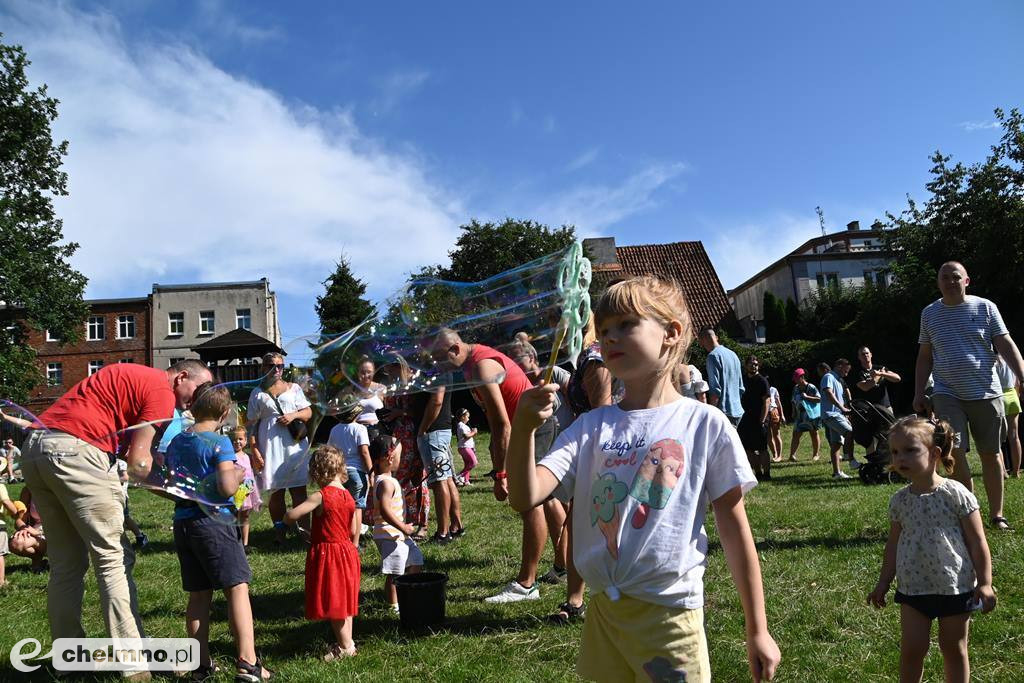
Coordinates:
792 320
37 282
975 215
774 314
486 249
342 305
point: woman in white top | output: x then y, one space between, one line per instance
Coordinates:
370 394
281 461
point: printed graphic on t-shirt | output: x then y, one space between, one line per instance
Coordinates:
656 478
657 472
606 494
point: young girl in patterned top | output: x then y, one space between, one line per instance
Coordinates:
936 551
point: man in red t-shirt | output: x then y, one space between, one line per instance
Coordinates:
502 383
69 465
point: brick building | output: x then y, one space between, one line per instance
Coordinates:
116 331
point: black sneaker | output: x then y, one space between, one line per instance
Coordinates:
458 533
554 575
440 539
141 542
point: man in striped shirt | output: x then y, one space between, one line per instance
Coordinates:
958 333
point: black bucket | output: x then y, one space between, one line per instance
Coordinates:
421 598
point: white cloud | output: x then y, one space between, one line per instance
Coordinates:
742 250
971 126
214 18
181 171
397 86
592 208
585 159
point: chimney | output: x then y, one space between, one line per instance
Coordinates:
601 251
853 225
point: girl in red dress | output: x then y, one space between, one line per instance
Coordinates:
332 563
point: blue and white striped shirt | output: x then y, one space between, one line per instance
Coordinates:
963 362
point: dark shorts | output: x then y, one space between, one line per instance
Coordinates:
543 438
938 606
210 554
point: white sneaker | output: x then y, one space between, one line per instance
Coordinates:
854 464
394 608
514 593
841 475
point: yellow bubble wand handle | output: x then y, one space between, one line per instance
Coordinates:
563 330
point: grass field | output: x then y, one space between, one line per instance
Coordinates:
820 546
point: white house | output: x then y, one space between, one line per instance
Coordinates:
852 257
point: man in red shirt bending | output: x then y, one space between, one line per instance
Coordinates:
502 383
69 465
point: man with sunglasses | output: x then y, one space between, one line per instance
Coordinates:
69 465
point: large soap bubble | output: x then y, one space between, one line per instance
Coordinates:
547 298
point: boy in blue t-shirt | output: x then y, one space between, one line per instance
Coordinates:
210 552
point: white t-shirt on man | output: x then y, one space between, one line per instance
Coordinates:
642 481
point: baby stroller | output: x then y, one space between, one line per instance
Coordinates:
871 425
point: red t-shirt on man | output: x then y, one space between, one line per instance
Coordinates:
515 382
111 399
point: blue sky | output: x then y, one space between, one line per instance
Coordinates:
219 141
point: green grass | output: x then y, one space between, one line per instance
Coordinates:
820 546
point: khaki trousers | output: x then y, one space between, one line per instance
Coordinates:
78 494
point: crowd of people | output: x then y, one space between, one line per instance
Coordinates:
644 440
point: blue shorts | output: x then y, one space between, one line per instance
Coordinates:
436 453
358 485
837 428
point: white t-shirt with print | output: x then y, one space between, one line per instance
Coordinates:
932 556
464 440
347 438
642 481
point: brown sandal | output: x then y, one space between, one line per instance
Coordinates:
336 652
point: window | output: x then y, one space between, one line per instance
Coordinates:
94 366
828 280
243 319
878 278
206 322
126 327
126 360
51 337
95 330
173 361
54 374
175 324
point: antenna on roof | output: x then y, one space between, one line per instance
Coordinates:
821 222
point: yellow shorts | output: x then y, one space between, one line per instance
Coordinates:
1011 403
632 640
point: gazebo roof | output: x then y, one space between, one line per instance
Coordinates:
237 343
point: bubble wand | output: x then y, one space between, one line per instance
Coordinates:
563 329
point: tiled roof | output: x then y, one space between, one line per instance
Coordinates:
688 264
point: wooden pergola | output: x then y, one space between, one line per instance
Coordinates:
236 345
